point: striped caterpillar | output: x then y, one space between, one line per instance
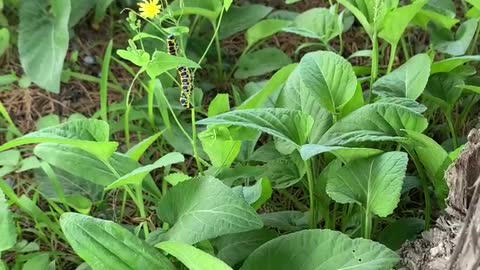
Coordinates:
186 76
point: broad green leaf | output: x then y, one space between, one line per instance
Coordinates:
320 249
162 62
106 245
234 248
295 96
450 64
81 164
396 22
319 23
136 176
4 40
454 44
264 29
409 80
241 18
71 186
219 145
287 221
292 126
329 77
192 257
274 84
39 261
374 122
8 230
398 232
89 135
205 208
43 40
472 88
137 57
284 172
261 62
434 159
220 104
444 89
344 153
139 149
373 183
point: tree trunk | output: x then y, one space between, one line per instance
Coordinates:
454 242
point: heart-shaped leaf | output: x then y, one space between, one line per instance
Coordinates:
204 208
320 249
106 245
374 183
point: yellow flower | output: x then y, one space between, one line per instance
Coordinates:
149 8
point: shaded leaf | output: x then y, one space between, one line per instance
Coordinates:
203 209
320 249
261 62
43 40
373 183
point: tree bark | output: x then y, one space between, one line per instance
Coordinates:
454 242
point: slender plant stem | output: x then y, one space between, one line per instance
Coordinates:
425 184
151 96
221 75
406 54
311 193
374 70
448 116
141 208
194 142
391 60
215 34
367 224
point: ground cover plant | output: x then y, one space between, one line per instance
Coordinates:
328 153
